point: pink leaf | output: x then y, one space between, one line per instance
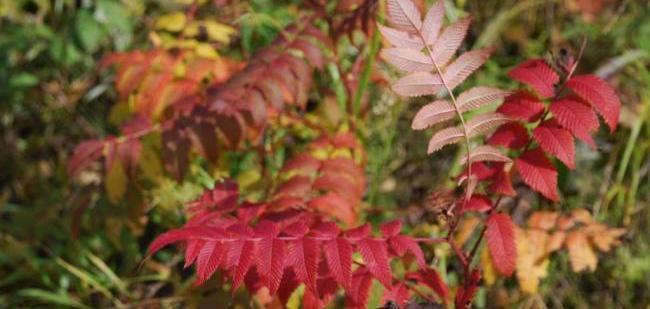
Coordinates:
407 60
479 96
483 123
485 153
538 75
433 113
399 38
404 15
418 84
501 243
464 66
433 22
445 137
449 41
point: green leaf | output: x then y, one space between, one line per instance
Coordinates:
23 80
85 277
117 20
63 52
49 297
89 32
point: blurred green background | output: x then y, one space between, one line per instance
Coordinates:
62 247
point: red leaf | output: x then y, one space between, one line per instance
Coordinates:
601 96
303 163
556 141
359 232
511 135
84 155
338 255
298 186
501 182
340 184
209 258
431 278
391 228
398 293
333 205
243 255
576 117
501 243
538 75
303 256
271 255
479 203
357 297
522 106
222 198
479 170
375 256
402 244
192 251
288 284
466 293
538 173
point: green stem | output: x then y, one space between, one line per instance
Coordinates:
365 74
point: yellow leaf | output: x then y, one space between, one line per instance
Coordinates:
602 237
341 153
188 2
173 22
545 220
465 229
489 274
214 30
556 241
581 215
532 259
205 50
180 70
150 164
581 254
115 182
248 177
320 154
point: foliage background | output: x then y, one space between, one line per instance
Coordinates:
57 248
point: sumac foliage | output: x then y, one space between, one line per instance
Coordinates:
307 230
190 116
293 240
531 126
